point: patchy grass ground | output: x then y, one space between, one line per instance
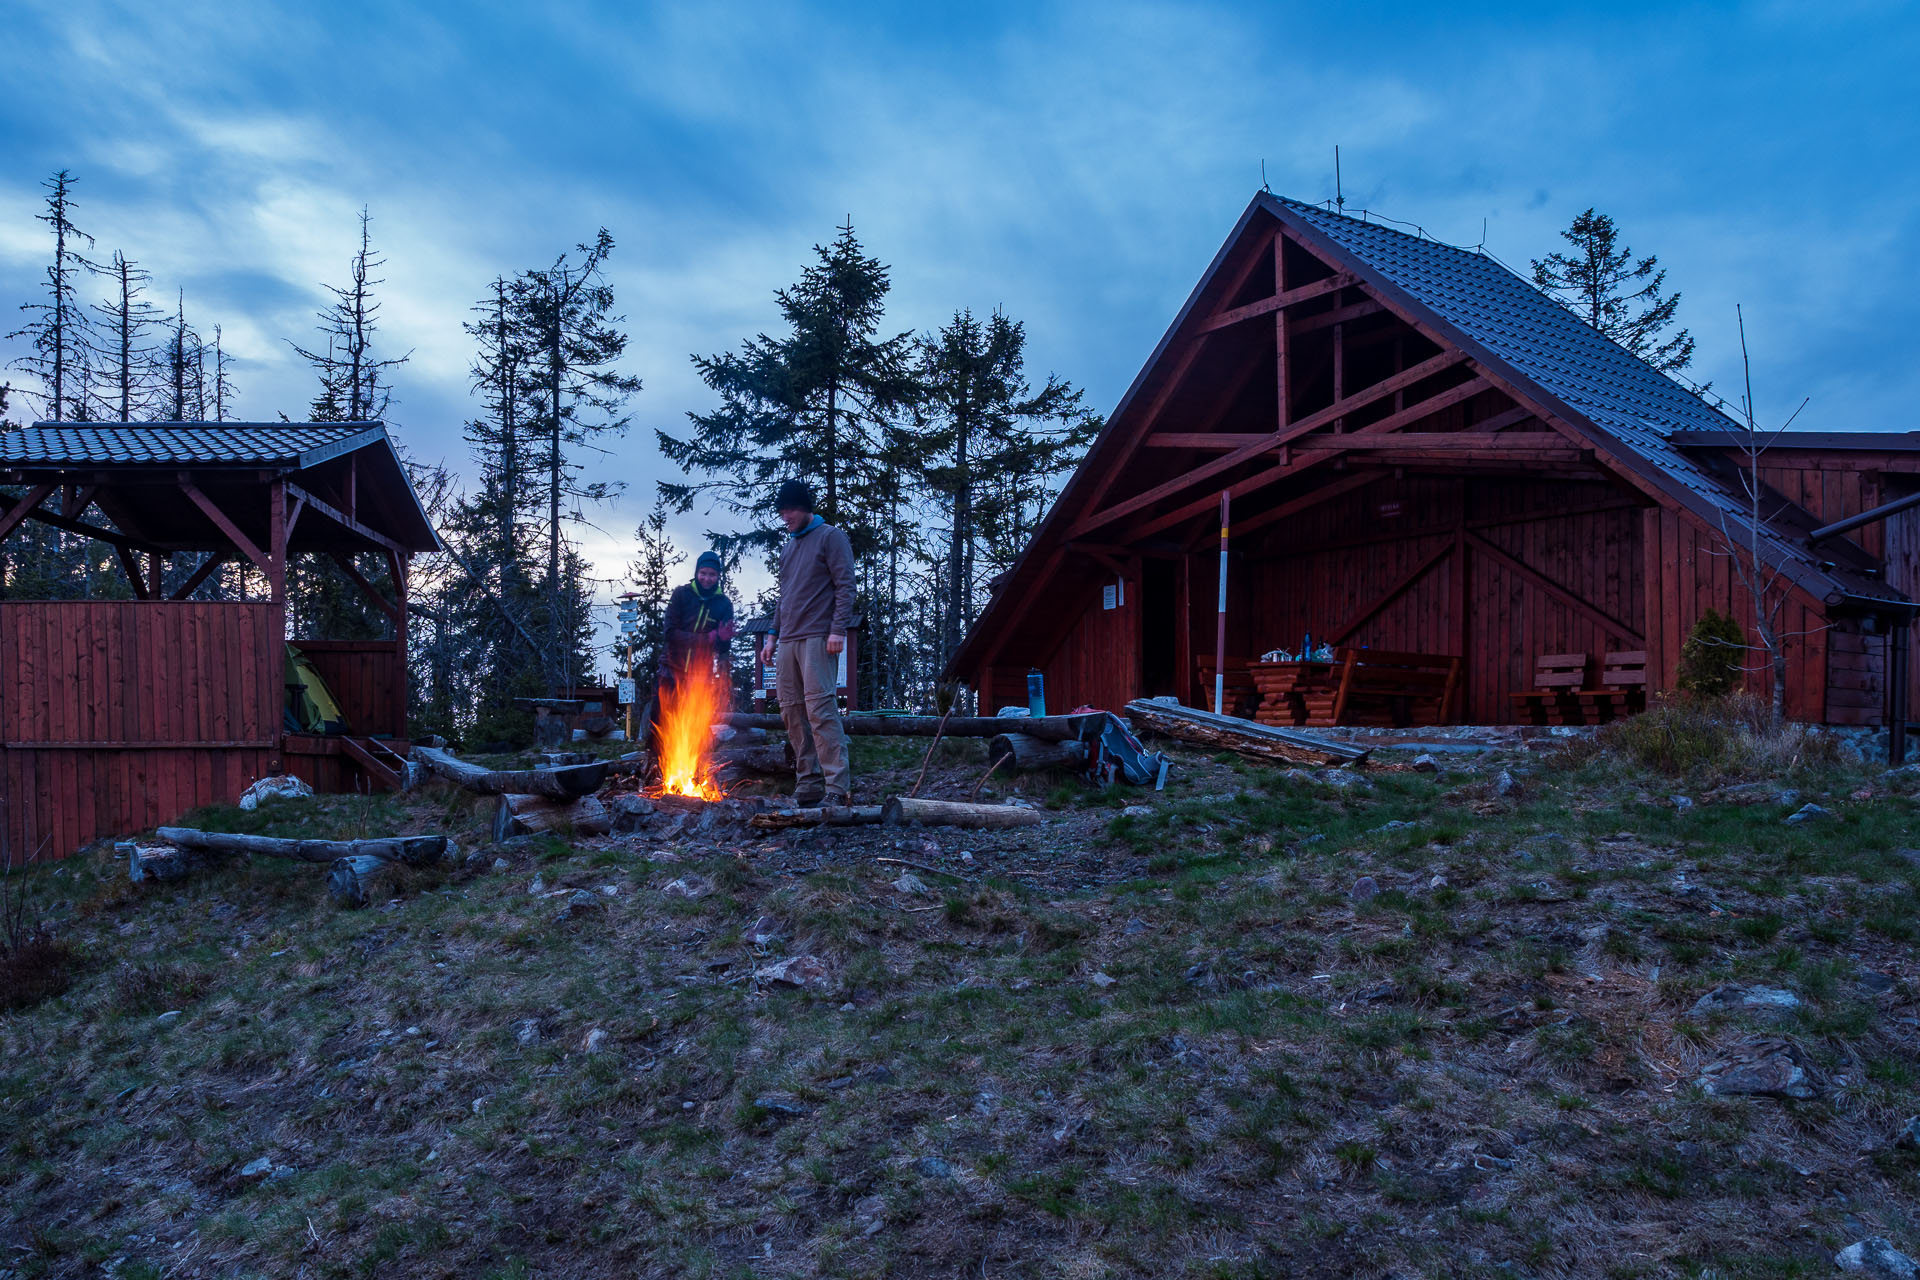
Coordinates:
1268 1027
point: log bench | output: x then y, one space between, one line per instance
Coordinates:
1386 687
1555 699
1622 690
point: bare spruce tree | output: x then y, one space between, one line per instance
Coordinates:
125 356
58 331
353 378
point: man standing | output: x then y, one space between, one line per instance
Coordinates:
816 608
696 630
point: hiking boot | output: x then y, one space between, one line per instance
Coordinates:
837 799
807 797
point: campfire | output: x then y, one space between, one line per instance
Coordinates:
684 745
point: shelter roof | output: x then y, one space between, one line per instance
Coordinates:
270 444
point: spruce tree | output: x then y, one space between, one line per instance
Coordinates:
353 378
650 577
223 390
59 333
805 404
125 357
1620 295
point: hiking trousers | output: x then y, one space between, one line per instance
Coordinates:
805 677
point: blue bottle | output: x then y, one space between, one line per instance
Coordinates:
1036 693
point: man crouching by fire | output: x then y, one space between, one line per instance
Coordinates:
696 631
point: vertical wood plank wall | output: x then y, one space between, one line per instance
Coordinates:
364 676
115 716
1099 662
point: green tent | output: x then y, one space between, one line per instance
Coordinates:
310 704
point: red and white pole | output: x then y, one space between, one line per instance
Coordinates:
1220 632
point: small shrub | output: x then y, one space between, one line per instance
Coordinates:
1712 658
1711 739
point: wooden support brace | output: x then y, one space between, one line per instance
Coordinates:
240 540
1612 626
130 562
385 605
342 519
20 510
200 575
1405 584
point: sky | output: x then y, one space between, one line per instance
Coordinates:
1075 165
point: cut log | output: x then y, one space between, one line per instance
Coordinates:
764 757
958 813
358 880
418 851
839 815
1052 728
159 861
555 784
1243 737
1024 753
525 815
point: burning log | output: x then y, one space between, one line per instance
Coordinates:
1245 737
556 784
957 813
526 815
1025 753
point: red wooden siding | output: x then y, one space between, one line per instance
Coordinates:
1903 574
1098 663
365 676
118 716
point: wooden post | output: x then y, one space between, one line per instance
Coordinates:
398 564
1220 627
1462 595
1898 638
277 539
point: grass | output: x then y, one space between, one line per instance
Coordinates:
1281 1078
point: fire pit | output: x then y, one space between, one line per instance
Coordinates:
683 743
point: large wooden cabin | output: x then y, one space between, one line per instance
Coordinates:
119 715
1423 452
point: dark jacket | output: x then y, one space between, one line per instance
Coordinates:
690 624
816 584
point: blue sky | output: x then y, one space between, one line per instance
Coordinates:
1074 164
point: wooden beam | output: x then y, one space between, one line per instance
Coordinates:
1306 501
1393 422
200 575
130 562
1392 593
226 526
294 509
1517 443
1279 302
277 537
344 520
1540 581
1303 325
1339 408
22 509
385 605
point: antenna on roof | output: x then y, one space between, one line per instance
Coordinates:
1339 199
1263 178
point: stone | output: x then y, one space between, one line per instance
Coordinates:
278 787
538 887
1909 1136
1504 785
257 1168
1761 1068
1875 1256
807 973
1365 889
1726 999
501 864
1134 926
782 1104
1426 762
169 1017
1438 882
526 1032
1872 982
1808 812
1137 811
689 887
1101 979
582 900
630 813
765 930
910 883
1681 803
935 1167
596 1041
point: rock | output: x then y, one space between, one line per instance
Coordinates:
1909 1136
501 864
1101 980
1726 999
765 930
170 1016
257 1168
689 887
935 1167
1681 803
1338 779
582 900
596 1040
1875 1256
630 813
910 883
783 1104
1504 785
1425 762
1762 1068
1808 812
526 1032
1137 811
1135 925
282 786
1365 889
1871 982
808 973
538 887
1438 882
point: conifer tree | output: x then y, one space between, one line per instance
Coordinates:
807 403
124 355
176 363
223 390
650 578
353 378
1620 295
58 334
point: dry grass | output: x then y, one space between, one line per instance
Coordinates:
1729 739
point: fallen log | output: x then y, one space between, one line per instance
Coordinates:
839 815
356 881
416 851
1052 728
765 757
556 784
1243 737
957 813
1024 753
526 815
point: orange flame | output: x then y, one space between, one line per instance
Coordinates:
687 712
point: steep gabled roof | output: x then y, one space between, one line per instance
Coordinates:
260 444
1520 337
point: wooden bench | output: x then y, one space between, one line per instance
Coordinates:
1386 687
1557 681
1241 692
1623 687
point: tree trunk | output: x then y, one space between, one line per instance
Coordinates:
957 813
418 851
357 881
1030 753
824 816
524 815
1052 728
556 784
1246 737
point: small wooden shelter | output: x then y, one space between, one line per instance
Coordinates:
1424 454
120 715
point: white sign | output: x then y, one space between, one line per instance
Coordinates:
626 692
1114 596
